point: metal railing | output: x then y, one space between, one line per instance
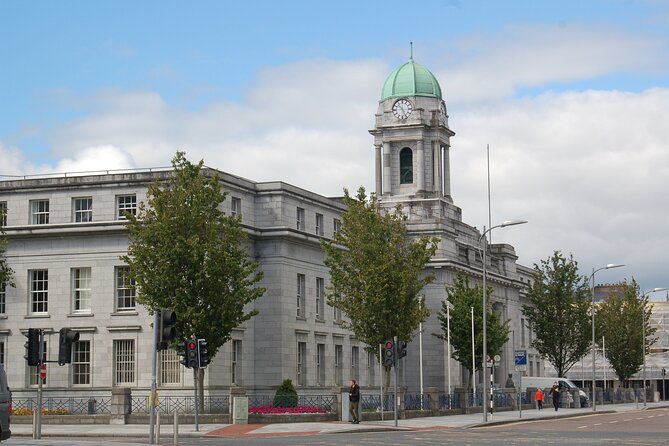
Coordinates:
183 404
325 403
91 405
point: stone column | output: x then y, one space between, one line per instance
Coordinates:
378 170
386 169
436 167
433 393
447 172
239 413
420 165
121 405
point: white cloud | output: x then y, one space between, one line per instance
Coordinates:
588 169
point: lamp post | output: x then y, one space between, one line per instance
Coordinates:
643 336
484 368
592 310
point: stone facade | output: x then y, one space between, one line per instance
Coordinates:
292 337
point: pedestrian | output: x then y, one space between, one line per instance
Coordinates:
555 393
354 402
539 398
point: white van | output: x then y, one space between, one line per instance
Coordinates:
546 382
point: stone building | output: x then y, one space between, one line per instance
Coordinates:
67 232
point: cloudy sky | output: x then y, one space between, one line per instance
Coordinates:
571 96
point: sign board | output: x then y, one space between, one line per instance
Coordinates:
520 360
42 371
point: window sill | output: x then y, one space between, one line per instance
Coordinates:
37 316
320 320
80 315
125 313
300 318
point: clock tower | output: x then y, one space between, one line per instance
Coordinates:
412 137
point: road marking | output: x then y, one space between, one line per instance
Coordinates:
613 422
582 427
597 424
629 419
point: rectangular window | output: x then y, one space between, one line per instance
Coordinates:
3 297
39 291
81 290
301 363
126 203
371 366
319 224
236 361
124 361
82 208
320 364
81 362
300 219
300 295
338 363
125 289
170 367
33 371
3 213
39 212
355 362
337 225
236 206
336 311
320 298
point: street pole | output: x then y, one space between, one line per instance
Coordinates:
420 358
448 349
381 378
473 359
395 368
154 367
40 381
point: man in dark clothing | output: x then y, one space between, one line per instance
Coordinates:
354 401
555 393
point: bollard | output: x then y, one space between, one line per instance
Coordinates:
34 425
176 428
157 427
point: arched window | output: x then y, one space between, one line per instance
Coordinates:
406 166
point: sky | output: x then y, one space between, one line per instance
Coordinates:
571 97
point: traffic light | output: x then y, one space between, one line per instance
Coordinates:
389 353
67 337
183 352
168 331
191 354
401 349
32 347
202 354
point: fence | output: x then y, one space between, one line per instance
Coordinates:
91 405
326 403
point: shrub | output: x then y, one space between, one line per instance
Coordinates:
286 395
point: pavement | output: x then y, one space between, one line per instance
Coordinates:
315 428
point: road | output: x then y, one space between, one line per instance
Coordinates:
637 428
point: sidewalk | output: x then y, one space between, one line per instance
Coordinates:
285 429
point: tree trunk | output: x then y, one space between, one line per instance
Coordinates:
200 390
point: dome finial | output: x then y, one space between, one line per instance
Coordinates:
411 51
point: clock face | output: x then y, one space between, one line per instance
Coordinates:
402 109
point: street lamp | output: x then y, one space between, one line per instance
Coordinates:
592 278
643 336
484 368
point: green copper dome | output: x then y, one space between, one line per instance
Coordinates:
411 79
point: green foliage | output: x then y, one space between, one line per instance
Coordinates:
286 395
619 321
186 255
558 312
6 273
463 298
376 272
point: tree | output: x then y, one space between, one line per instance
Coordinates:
463 298
376 271
6 273
558 312
186 255
620 321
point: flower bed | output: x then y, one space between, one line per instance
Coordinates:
265 410
44 411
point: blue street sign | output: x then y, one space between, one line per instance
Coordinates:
520 357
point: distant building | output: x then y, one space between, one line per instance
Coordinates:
66 234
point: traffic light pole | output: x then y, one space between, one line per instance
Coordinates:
38 417
197 409
395 367
154 367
